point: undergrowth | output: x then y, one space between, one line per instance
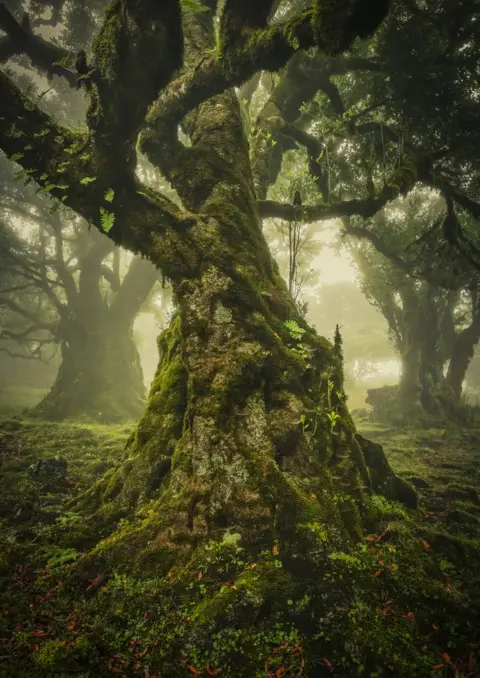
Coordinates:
404 601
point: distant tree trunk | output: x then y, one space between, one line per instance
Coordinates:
462 354
431 355
100 375
409 388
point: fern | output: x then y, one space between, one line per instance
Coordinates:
109 195
296 332
87 180
107 219
62 556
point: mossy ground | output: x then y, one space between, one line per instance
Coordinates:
404 601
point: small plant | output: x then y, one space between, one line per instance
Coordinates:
333 417
296 332
107 219
61 556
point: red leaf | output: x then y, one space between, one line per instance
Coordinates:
378 573
279 672
446 656
313 495
200 575
194 670
64 644
95 583
213 672
369 538
329 664
36 648
142 654
438 666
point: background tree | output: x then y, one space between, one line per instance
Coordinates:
83 300
431 315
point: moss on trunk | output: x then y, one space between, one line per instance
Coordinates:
239 453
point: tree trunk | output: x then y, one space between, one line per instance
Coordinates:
246 439
100 376
461 356
238 445
409 385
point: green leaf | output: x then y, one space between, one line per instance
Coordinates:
16 156
43 133
46 189
193 6
109 195
107 219
87 180
62 556
22 174
296 332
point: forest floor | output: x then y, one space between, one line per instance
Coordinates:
35 525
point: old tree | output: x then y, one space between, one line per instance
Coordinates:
245 486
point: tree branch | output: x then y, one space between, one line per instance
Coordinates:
43 54
44 147
266 49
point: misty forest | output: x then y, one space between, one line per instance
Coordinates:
240 338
